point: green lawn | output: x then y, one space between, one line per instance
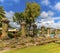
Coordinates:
48 48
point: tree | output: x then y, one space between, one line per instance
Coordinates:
29 15
32 11
18 17
2 15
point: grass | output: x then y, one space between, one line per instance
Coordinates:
48 48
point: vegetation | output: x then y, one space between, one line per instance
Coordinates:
29 16
2 13
48 48
32 11
21 39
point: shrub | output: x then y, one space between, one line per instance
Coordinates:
19 33
10 35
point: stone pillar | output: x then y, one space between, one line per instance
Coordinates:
34 30
23 29
56 35
48 32
4 28
43 31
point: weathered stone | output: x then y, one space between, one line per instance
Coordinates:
43 31
48 32
4 28
23 29
56 35
34 29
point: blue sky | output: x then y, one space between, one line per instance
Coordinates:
49 16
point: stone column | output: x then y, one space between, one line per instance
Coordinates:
43 31
48 32
34 30
23 29
4 28
56 35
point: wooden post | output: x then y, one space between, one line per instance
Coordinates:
23 29
4 28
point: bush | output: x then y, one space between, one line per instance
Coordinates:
10 35
19 33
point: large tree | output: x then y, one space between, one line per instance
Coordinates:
29 15
32 11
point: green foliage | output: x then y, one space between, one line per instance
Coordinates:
32 11
19 33
18 17
48 48
10 35
29 15
2 13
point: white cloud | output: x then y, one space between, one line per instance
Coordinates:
56 18
47 14
50 13
9 15
14 24
45 2
45 22
44 14
57 6
49 20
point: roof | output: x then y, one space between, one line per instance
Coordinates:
11 30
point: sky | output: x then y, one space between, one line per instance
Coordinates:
49 13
